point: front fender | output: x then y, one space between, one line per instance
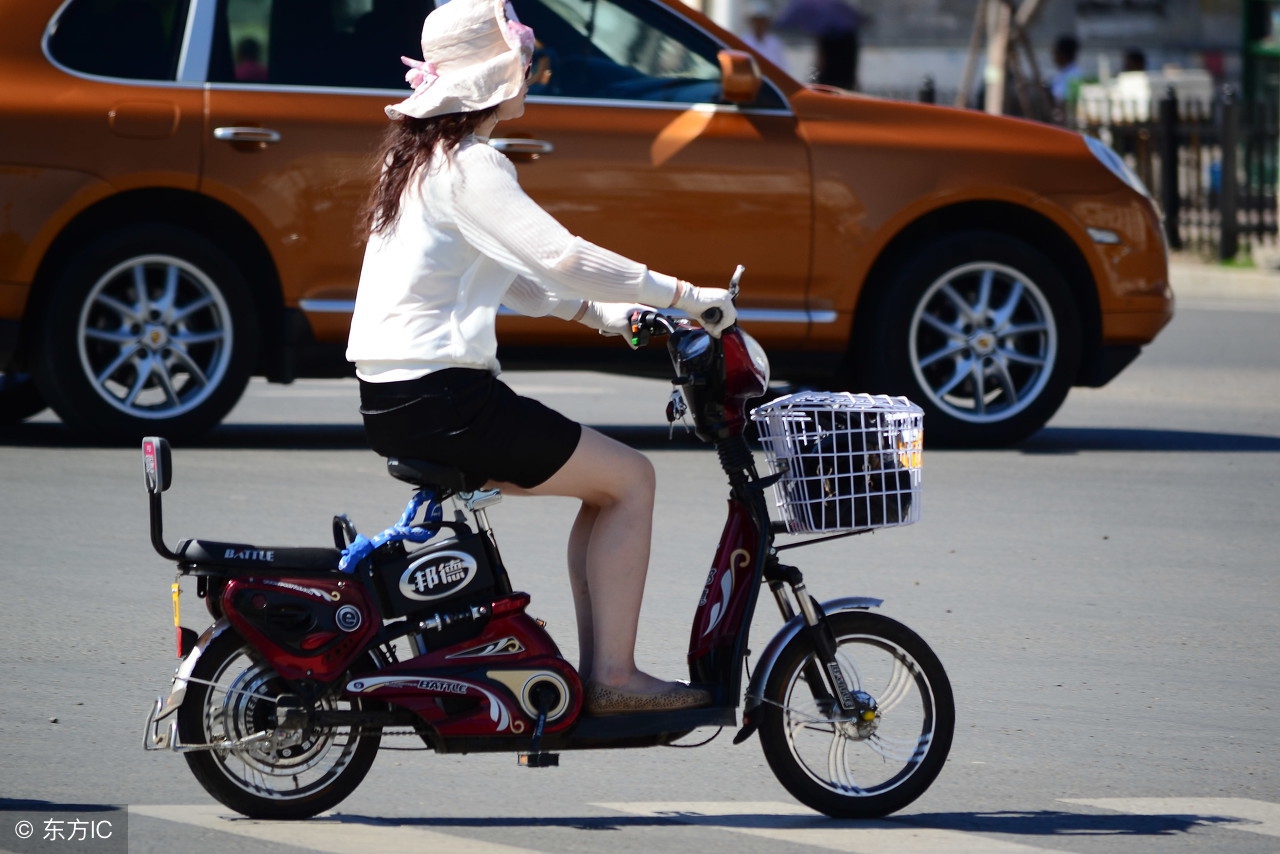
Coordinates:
769 657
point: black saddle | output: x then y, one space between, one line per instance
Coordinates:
244 559
426 475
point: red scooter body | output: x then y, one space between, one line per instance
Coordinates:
308 627
727 594
719 383
487 685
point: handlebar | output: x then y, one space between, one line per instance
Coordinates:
645 324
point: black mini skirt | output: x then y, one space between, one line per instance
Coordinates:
469 419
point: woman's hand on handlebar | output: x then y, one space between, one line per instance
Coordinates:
711 307
613 318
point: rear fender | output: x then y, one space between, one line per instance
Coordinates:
179 690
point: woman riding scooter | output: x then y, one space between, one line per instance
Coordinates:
452 236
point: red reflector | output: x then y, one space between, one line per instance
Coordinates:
317 640
513 604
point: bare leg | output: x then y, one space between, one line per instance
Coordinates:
579 539
608 553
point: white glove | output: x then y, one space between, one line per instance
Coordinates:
696 301
611 318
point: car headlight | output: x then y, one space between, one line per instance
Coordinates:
1115 163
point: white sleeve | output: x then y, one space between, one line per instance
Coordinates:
530 299
497 217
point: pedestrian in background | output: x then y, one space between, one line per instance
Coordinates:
1134 60
834 26
760 36
1064 85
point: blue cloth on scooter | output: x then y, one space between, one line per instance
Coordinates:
361 547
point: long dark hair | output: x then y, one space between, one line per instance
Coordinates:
409 145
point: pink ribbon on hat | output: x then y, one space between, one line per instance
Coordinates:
523 35
421 74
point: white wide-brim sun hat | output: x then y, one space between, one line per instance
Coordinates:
475 55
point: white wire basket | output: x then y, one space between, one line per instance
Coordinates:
849 462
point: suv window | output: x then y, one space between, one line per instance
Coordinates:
133 39
343 43
631 50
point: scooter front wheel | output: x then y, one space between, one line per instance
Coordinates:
255 767
873 762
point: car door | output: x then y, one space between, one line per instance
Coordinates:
623 140
649 166
295 97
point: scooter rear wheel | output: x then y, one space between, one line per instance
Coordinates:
235 697
841 765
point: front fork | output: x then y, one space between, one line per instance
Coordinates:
823 673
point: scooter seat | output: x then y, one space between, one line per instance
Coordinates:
244 559
425 474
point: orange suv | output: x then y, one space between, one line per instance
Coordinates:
180 182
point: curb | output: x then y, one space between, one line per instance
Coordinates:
1203 280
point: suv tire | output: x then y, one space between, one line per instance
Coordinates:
149 329
981 330
19 398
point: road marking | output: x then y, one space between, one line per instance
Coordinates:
802 826
1234 813
328 833
777 821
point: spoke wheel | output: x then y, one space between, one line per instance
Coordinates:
309 771
982 342
151 330
156 335
854 765
980 330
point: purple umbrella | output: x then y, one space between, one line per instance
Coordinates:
818 17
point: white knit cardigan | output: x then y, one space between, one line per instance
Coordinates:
469 239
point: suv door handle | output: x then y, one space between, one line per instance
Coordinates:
518 146
252 135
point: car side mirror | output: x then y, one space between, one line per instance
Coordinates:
739 76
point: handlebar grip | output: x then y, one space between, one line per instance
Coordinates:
712 315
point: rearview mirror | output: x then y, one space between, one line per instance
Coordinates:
739 77
157 464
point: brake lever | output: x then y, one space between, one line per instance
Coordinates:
734 280
713 315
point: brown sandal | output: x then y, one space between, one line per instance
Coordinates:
604 700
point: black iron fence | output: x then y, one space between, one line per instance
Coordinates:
1211 166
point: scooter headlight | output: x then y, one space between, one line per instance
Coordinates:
759 360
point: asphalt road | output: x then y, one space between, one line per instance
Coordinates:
1103 598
